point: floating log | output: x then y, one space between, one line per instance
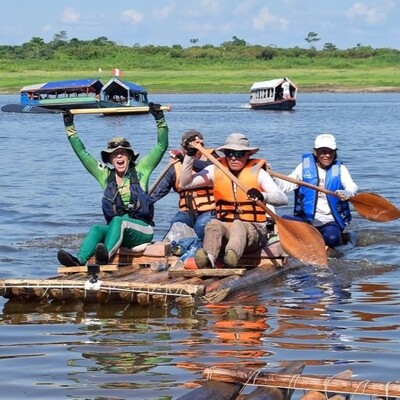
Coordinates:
274 393
305 382
215 391
224 390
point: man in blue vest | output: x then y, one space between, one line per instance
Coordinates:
329 214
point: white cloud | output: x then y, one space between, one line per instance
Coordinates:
163 13
211 6
266 19
69 15
371 15
133 16
47 28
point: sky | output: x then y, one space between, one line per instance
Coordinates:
280 23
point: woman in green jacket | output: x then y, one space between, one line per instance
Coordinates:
126 206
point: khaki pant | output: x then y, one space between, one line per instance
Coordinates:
242 237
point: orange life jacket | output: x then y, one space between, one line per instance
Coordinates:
230 205
198 199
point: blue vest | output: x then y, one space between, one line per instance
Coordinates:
140 205
305 201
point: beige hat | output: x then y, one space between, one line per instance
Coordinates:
238 141
118 142
325 140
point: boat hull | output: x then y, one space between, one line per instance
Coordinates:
281 105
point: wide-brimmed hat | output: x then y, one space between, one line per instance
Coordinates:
190 134
116 143
325 140
238 141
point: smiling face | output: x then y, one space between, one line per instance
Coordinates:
325 156
120 160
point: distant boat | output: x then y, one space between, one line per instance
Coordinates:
268 95
78 94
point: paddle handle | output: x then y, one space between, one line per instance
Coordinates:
116 110
233 178
301 183
162 174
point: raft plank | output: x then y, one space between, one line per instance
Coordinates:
187 273
84 268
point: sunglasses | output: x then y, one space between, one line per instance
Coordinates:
235 153
124 143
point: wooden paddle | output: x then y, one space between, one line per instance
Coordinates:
171 162
370 206
115 110
298 239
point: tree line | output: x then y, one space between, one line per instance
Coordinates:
62 53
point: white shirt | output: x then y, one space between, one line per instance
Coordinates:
323 212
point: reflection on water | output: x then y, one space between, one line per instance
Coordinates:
346 317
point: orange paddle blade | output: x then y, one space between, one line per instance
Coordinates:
375 208
302 241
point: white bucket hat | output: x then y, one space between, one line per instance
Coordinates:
325 140
238 141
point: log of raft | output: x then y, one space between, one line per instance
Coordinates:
229 391
276 393
215 391
305 382
224 287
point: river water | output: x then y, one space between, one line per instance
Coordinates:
349 319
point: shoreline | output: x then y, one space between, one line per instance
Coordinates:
392 89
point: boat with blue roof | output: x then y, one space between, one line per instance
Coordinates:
79 94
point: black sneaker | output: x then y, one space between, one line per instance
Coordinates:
101 254
66 259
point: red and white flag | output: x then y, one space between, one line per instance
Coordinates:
117 72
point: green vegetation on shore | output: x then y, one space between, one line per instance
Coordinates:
229 68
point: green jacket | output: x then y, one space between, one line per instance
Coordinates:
144 167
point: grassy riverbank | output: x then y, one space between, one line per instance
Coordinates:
224 80
231 67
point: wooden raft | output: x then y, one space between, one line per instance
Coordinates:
151 276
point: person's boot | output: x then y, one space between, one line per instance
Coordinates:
231 259
67 259
202 259
101 254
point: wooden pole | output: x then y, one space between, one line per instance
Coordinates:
305 382
171 162
115 110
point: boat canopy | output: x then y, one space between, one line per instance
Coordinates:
95 85
117 87
273 83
